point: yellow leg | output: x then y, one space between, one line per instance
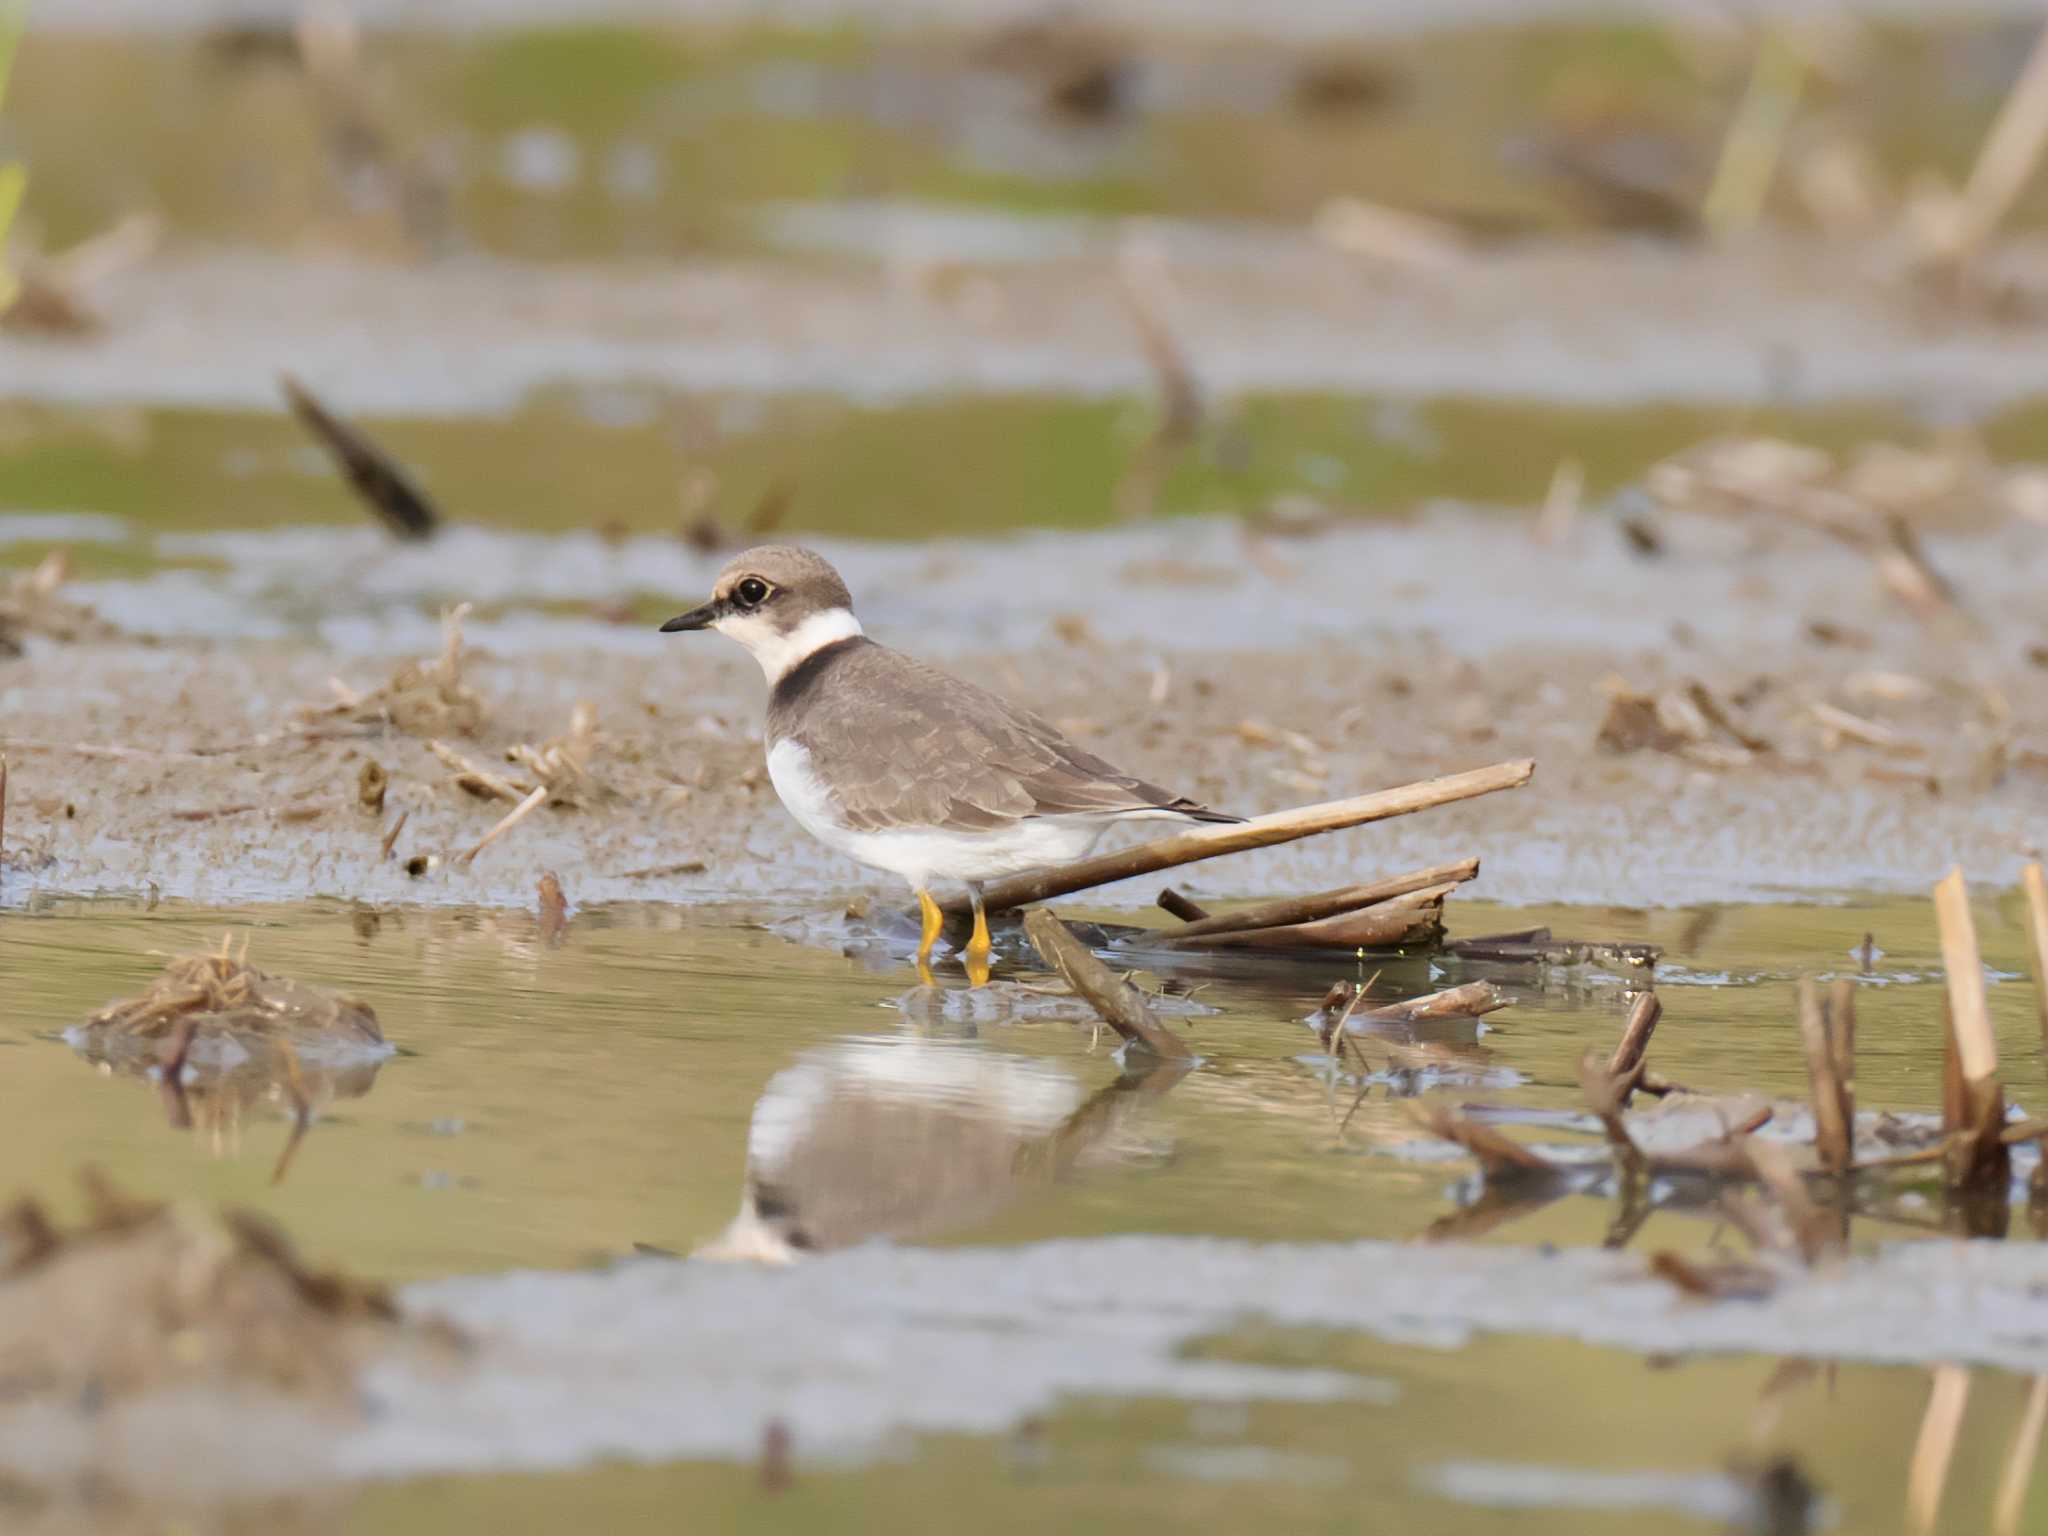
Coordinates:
975 957
934 920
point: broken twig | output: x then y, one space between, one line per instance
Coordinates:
1350 898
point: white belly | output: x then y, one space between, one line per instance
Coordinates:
922 855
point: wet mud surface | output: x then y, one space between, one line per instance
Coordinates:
1254 673
1765 323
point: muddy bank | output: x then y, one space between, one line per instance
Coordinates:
1766 321
661 1360
1253 672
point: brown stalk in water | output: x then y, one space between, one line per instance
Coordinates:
1121 1005
1834 1128
1625 1066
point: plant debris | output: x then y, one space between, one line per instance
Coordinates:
30 604
145 1297
220 993
423 698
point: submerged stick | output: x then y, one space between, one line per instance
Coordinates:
1470 1001
1500 1157
2031 877
1260 832
373 474
1121 1005
1350 898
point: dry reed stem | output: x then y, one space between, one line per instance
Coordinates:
1934 1452
1972 1103
1833 1132
1976 1046
1260 832
1755 141
2011 153
2037 927
1973 1106
1121 1005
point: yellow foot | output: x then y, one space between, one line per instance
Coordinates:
975 956
934 920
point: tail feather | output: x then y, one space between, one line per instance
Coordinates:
1195 811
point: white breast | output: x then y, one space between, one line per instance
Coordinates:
922 855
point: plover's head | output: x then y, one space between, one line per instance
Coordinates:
781 602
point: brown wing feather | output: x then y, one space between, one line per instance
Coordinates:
906 745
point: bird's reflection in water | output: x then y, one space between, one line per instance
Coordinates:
907 1138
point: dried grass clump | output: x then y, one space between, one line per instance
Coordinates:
423 698
221 993
143 1296
30 605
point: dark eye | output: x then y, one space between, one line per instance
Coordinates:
752 592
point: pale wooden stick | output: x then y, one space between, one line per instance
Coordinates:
1980 1154
2019 1463
1305 909
1936 1448
1121 1005
2037 929
1260 832
512 818
2010 154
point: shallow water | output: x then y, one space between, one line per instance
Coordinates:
550 1104
553 1105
